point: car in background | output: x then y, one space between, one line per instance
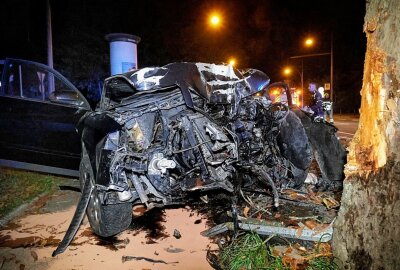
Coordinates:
39 112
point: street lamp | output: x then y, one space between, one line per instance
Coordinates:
215 20
309 42
287 71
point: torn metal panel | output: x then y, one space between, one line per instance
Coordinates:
216 83
302 233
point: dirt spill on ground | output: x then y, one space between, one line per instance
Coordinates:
11 226
29 241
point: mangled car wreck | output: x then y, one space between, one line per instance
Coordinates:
160 134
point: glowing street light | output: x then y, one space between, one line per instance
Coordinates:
287 71
232 62
309 42
215 20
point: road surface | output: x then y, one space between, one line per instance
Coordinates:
347 125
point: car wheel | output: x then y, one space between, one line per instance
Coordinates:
105 220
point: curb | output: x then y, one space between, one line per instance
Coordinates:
19 210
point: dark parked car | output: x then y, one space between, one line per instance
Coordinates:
39 111
161 134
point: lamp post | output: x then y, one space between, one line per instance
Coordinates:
302 84
331 116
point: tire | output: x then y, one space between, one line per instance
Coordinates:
105 220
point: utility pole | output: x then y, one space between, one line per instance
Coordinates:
50 48
302 84
49 36
331 68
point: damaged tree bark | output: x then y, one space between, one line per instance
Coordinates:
367 231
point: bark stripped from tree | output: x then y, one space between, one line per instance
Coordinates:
367 234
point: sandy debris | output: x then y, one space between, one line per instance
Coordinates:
29 242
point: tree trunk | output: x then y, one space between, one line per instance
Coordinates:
367 231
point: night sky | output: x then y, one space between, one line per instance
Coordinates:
259 34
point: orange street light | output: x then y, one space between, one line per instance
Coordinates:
287 71
232 62
215 20
309 42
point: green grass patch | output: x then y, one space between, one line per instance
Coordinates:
249 251
246 252
322 263
18 187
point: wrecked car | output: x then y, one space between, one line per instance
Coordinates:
161 134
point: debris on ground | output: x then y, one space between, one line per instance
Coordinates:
304 220
299 257
172 249
177 234
250 251
132 258
302 215
322 233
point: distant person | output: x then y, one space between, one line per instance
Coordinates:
316 104
327 105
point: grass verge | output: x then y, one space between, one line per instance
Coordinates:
246 252
249 251
18 187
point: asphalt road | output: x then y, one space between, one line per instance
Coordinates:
347 125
